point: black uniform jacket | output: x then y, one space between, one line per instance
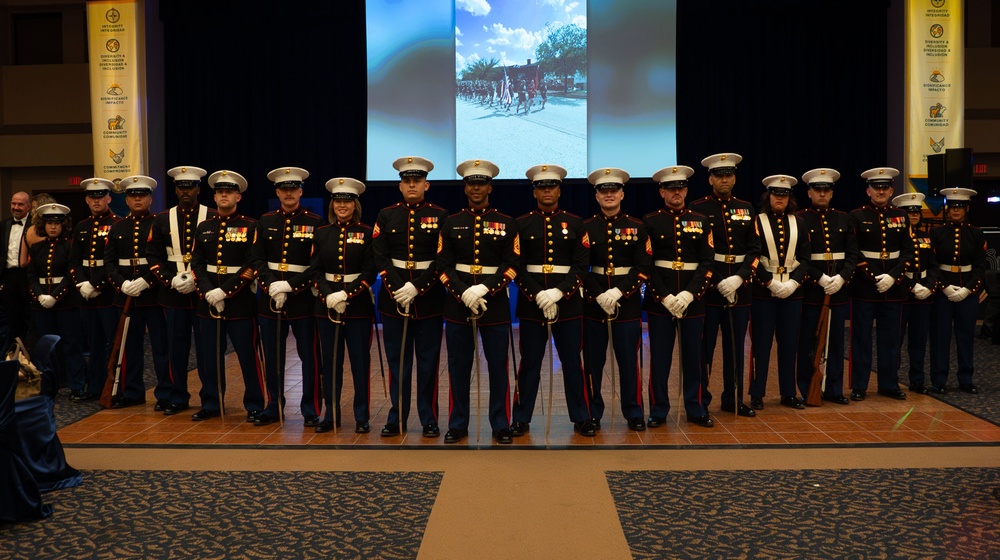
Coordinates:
86 257
282 252
961 256
478 246
406 237
833 250
924 268
127 242
618 259
553 241
222 259
735 242
164 261
48 274
885 247
343 259
679 246
781 233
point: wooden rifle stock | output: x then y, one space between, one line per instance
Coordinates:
113 381
815 396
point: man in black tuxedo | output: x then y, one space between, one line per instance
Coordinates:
13 282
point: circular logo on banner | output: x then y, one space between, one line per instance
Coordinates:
113 15
937 30
937 3
112 45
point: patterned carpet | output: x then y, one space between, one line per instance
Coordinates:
200 514
910 513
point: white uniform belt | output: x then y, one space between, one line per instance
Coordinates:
341 277
177 258
50 281
730 259
547 269
285 267
676 265
955 268
827 256
132 262
476 269
93 262
412 265
611 270
884 255
921 274
223 269
775 269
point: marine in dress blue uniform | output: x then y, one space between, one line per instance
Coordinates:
98 315
680 246
343 263
920 281
281 256
54 300
961 256
405 243
777 290
477 258
224 275
878 289
169 253
554 257
832 261
129 273
727 301
619 265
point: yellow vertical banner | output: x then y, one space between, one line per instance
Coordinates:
116 65
935 82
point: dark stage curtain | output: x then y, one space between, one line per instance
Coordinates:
791 85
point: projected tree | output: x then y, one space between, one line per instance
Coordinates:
480 70
564 52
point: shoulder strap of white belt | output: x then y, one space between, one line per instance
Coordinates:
175 234
793 238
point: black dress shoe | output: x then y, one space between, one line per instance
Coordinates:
656 421
938 389
703 421
122 402
757 403
161 406
503 436
324 427
969 388
893 394
432 430
585 428
253 414
918 388
174 408
839 399
362 428
636 424
204 415
263 419
792 402
82 396
596 422
390 430
455 435
518 429
858 395
311 422
740 409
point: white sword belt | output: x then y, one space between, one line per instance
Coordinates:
132 262
676 265
93 262
476 269
774 269
921 274
50 281
223 269
341 277
955 268
827 256
285 267
611 270
730 259
547 269
884 255
412 265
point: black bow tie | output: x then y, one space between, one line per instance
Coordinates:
19 222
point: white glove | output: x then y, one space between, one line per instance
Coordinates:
959 294
183 283
921 292
336 298
681 303
823 281
46 301
555 294
883 282
787 288
220 306
405 295
473 294
279 287
279 299
215 296
87 290
775 286
836 283
728 286
668 301
609 300
134 287
542 299
479 306
550 311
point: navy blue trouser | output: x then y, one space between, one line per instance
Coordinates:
662 330
355 339
568 338
886 315
304 330
916 330
66 324
246 343
625 337
181 323
835 352
961 316
733 363
495 345
423 336
775 319
100 324
133 362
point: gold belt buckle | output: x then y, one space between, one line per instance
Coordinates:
828 256
547 268
283 267
223 270
187 257
780 270
135 262
610 271
411 265
338 277
93 262
955 268
476 269
730 259
678 265
884 255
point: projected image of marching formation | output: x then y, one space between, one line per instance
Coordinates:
521 84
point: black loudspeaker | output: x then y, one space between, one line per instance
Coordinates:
935 174
958 168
